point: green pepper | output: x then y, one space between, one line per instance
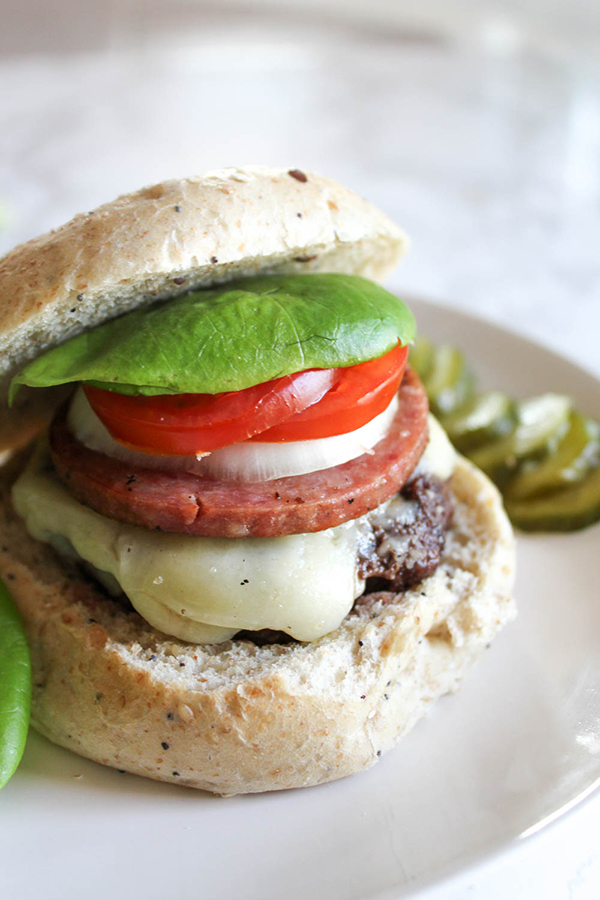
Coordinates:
15 687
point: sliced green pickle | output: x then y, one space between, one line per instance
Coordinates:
541 423
575 455
543 455
448 383
567 510
420 356
483 418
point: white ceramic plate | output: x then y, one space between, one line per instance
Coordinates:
517 746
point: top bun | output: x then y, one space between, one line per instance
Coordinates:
165 240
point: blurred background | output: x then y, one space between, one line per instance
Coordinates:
474 123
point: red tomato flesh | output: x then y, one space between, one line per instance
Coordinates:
185 424
304 406
361 393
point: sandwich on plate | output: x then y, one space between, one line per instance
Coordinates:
246 556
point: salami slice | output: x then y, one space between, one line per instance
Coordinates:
189 504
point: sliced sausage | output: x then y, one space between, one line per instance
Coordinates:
190 504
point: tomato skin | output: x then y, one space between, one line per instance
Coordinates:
361 393
186 424
307 405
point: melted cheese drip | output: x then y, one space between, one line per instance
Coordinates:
303 584
205 590
439 456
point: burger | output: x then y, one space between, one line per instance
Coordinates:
245 555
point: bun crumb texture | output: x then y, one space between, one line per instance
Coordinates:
167 239
241 718
236 717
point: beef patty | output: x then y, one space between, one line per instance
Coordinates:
402 546
406 540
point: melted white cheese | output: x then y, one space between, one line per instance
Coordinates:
204 590
439 458
302 584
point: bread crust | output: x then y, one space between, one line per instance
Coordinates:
169 238
238 718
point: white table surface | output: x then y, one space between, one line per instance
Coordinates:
490 158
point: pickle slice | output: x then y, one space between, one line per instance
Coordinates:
420 356
543 455
448 383
576 454
483 418
541 423
567 510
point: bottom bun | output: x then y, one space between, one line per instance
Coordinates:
238 717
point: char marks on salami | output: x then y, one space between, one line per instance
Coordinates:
189 504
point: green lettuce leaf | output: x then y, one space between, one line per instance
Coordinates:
231 337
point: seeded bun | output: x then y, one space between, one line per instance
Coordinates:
236 717
240 718
164 240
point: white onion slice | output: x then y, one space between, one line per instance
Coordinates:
246 461
260 461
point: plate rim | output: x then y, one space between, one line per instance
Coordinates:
487 856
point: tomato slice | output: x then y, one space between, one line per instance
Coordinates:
186 424
304 406
361 393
